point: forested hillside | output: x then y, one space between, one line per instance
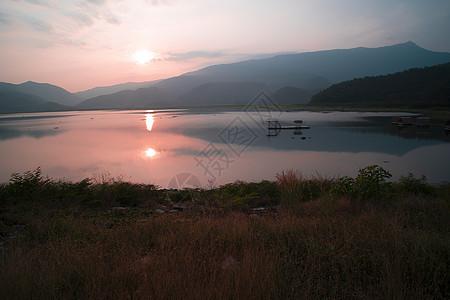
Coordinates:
417 87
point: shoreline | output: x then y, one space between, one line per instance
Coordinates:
438 113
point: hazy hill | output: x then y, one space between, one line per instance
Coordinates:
12 101
309 72
297 70
49 92
292 95
222 93
140 98
107 90
418 87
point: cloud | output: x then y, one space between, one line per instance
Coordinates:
75 43
97 2
82 19
113 20
159 2
40 25
38 2
86 13
4 19
193 54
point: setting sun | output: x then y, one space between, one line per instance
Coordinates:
142 56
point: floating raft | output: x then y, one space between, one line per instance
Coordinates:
447 126
290 127
275 125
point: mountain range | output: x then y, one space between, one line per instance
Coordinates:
106 90
32 96
417 87
288 78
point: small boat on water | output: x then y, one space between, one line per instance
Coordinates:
401 121
447 126
423 122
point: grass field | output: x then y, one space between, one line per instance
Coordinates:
295 238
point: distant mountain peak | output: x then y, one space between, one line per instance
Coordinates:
408 44
34 83
405 45
47 91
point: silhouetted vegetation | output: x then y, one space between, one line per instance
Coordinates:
297 237
415 88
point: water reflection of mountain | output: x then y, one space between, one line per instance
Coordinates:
351 140
13 126
333 137
379 125
7 133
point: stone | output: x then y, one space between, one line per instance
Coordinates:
18 227
119 208
230 263
108 225
181 207
259 209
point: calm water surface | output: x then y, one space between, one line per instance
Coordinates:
168 147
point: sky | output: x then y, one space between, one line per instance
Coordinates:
79 45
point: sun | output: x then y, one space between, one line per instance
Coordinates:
142 57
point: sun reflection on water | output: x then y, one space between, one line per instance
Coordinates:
150 152
149 119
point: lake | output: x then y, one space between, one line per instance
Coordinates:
176 148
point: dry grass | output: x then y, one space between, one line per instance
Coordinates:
298 252
295 187
63 241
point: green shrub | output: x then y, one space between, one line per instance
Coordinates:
29 186
369 184
122 193
243 195
343 187
182 195
416 186
245 201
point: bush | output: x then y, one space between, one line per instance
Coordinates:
242 195
28 186
343 187
369 184
416 186
122 193
94 193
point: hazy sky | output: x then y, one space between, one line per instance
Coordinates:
83 44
